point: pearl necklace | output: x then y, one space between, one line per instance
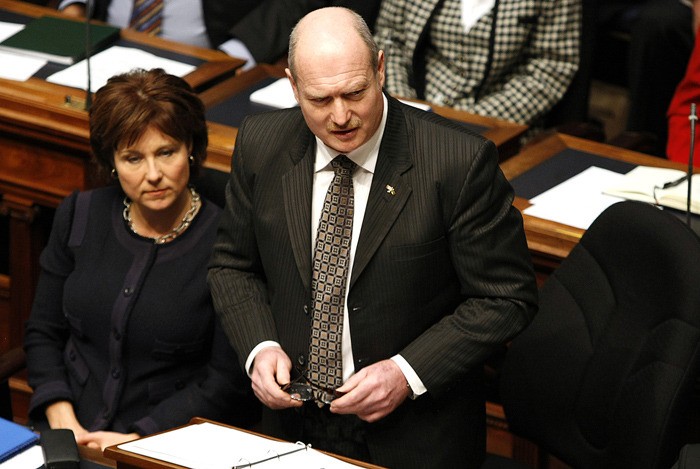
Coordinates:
175 232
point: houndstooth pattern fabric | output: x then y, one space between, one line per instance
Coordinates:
147 16
534 57
330 273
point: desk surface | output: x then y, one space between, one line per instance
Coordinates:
550 242
38 110
215 64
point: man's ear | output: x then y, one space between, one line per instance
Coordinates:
381 75
293 83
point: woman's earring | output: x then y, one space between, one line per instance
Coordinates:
191 159
114 174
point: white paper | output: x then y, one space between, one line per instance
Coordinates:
211 446
278 94
16 66
9 29
577 201
30 458
113 61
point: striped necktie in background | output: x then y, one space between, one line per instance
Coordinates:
147 16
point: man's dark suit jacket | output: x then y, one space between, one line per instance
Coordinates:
441 273
263 26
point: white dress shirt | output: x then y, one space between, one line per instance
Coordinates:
473 10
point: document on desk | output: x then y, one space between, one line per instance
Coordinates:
661 186
32 458
211 446
112 61
15 66
577 201
278 94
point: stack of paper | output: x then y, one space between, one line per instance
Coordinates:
15 439
210 446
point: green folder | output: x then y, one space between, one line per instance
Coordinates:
59 39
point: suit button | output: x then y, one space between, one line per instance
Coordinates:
128 291
71 355
115 373
117 335
301 359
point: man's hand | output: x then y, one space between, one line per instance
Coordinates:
271 369
101 440
373 392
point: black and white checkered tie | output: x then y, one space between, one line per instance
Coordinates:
330 273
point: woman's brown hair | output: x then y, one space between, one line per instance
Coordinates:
131 102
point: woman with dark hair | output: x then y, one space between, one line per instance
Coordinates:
122 340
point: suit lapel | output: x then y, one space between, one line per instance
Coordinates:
389 191
297 188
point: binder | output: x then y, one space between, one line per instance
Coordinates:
15 439
59 40
206 444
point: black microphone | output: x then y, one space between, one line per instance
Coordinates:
88 52
693 118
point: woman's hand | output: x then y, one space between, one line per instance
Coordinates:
101 440
61 414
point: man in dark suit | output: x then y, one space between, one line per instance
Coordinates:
261 27
440 273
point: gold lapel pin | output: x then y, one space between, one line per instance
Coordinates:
390 190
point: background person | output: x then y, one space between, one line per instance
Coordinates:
254 30
508 59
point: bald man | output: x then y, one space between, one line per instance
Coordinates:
439 271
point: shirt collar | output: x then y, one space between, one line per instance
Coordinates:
365 156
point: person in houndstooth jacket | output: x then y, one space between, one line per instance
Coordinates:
509 59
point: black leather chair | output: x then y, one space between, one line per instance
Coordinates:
604 375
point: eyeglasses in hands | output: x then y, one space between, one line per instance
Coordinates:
303 389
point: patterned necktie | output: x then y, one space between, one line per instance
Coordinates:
147 16
330 273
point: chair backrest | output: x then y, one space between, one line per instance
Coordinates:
603 376
211 183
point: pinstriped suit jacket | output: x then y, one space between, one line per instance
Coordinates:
441 275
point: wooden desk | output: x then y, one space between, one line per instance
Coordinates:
129 460
45 154
95 456
548 241
232 94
